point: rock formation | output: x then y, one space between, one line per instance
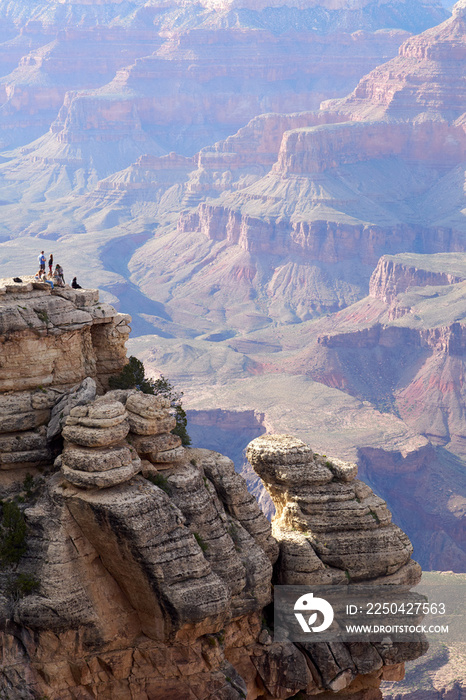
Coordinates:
76 341
330 526
141 54
413 83
146 567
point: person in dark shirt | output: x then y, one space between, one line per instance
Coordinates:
58 276
50 264
75 284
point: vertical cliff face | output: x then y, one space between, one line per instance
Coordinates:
144 567
69 333
392 277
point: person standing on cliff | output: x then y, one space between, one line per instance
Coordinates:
50 265
42 261
58 276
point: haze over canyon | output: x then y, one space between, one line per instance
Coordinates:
275 192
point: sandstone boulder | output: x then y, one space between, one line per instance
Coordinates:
103 408
347 526
94 456
151 426
78 395
152 444
95 437
101 479
101 459
147 405
167 457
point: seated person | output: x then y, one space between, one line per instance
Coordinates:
75 284
40 277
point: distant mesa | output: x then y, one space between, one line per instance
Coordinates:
415 84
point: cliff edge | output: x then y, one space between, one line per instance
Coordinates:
133 567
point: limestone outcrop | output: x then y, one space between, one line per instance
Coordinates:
145 568
69 333
331 527
76 343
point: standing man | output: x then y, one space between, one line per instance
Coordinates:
42 261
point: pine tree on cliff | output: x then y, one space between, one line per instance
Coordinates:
133 376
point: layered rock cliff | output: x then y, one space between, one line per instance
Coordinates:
187 65
413 83
352 184
58 348
145 568
331 195
394 275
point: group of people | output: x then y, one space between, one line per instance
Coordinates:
55 276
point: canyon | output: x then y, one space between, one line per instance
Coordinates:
233 260
293 269
184 74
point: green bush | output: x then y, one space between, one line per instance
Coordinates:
133 376
160 481
42 315
203 545
28 485
22 585
13 530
